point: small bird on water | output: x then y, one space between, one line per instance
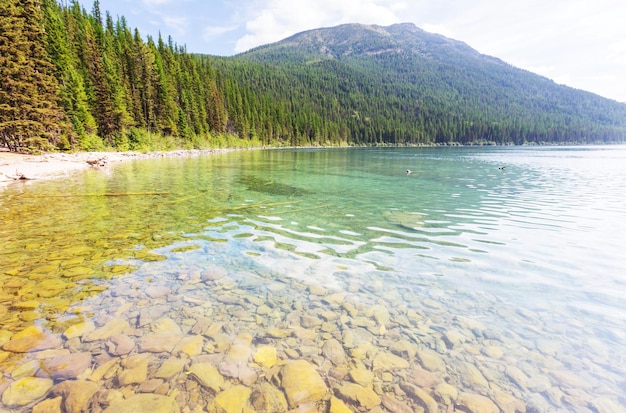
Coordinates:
408 171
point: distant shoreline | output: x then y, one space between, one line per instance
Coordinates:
16 167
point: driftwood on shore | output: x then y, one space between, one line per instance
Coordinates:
19 177
98 162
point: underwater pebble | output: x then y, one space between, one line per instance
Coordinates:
207 375
66 367
302 383
358 395
75 394
145 403
267 398
233 399
475 403
237 342
25 390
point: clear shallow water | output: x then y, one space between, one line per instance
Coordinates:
504 264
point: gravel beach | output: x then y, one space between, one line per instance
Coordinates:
21 167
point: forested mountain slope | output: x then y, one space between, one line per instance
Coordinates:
72 79
401 84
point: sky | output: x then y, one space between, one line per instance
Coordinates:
579 43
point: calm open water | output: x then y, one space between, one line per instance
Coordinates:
506 265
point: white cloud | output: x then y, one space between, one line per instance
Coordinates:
617 51
211 32
152 3
281 18
439 29
179 24
576 42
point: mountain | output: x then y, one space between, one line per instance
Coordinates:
83 81
399 84
363 40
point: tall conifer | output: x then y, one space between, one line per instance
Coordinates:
30 115
72 86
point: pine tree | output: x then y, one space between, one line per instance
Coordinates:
89 50
30 115
72 86
165 106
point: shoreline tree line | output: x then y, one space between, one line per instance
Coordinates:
83 81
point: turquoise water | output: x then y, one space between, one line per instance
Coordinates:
505 265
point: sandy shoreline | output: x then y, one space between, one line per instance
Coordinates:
16 167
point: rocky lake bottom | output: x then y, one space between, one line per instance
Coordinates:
244 314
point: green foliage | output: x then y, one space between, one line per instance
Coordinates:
401 85
35 145
73 80
79 80
91 143
222 141
30 116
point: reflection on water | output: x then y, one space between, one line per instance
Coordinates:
485 280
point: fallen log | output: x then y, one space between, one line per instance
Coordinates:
19 177
97 162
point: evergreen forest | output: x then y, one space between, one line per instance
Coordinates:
78 80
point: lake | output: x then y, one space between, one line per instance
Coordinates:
394 279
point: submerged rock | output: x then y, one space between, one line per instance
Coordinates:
32 339
158 343
333 351
170 367
207 375
5 335
120 344
191 346
112 327
539 383
27 369
232 400
605 405
338 406
166 326
387 361
157 291
362 376
133 375
145 403
422 378
268 399
79 330
49 406
380 314
150 386
471 376
421 397
238 353
475 403
394 405
446 393
359 395
302 383
67 366
105 369
517 376
266 356
430 360
25 391
76 395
